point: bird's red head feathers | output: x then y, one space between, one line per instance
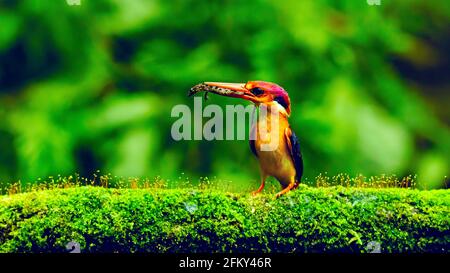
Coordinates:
258 92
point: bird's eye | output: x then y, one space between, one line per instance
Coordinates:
257 91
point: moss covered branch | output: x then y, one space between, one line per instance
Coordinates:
333 219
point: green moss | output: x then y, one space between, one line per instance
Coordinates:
333 219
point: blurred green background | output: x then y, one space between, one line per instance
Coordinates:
91 87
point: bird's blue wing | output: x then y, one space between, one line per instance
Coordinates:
253 147
296 154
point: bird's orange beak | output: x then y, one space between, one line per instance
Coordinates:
235 90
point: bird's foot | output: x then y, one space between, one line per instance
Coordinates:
278 195
255 193
286 190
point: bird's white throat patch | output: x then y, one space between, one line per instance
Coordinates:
279 108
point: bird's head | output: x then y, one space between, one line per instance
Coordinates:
258 92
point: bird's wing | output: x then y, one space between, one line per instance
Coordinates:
294 148
252 138
253 147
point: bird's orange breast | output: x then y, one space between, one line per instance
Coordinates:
271 146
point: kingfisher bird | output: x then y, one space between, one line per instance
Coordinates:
284 162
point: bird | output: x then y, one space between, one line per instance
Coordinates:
285 161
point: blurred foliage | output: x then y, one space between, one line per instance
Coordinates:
91 87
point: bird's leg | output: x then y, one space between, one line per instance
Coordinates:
291 186
261 187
